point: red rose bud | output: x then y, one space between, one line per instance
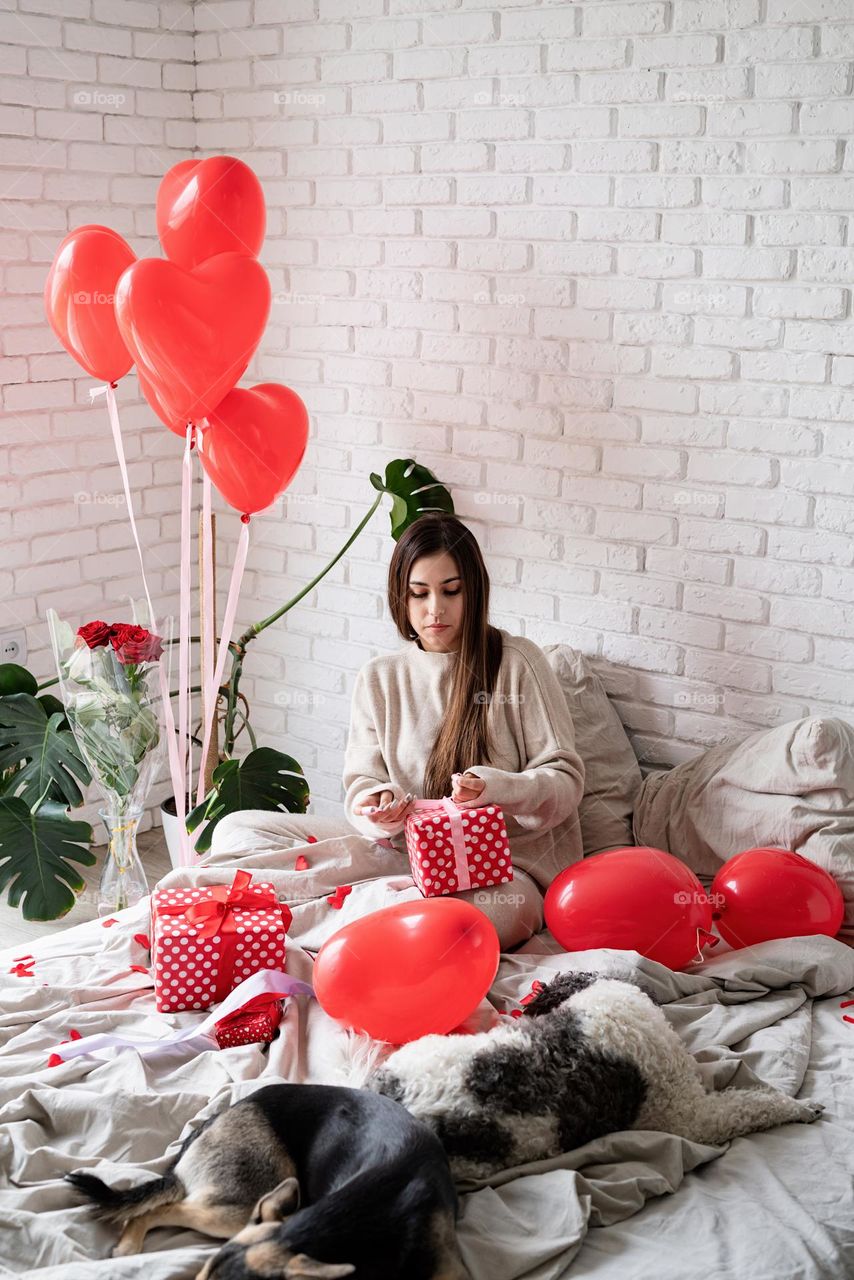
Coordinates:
134 644
95 634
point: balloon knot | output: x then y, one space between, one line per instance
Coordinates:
716 915
245 518
113 385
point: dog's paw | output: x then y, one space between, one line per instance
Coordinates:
810 1111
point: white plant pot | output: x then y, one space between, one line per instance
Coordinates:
172 831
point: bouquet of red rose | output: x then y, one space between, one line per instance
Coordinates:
110 682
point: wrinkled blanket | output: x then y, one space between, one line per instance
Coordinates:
777 1204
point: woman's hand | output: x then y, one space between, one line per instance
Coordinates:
381 808
466 787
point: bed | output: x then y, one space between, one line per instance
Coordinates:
633 1205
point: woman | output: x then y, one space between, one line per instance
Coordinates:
463 710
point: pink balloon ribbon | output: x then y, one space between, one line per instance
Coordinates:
113 410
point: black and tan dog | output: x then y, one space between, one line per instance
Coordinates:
378 1201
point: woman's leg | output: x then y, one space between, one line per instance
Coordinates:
515 908
265 831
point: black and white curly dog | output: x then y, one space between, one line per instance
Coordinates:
591 1055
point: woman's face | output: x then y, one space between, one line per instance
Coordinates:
435 594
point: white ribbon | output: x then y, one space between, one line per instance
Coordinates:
113 410
199 1037
224 641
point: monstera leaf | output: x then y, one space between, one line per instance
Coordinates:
264 779
36 850
414 491
39 758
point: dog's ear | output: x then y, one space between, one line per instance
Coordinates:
278 1203
301 1265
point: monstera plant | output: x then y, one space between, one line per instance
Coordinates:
41 775
266 778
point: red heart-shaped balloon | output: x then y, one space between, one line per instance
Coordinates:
206 207
254 443
410 970
78 299
192 333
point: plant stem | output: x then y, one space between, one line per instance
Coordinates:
257 627
46 684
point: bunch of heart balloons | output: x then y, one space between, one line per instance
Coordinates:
190 323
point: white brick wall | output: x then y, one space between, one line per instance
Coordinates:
87 128
590 262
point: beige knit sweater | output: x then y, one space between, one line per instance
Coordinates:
536 775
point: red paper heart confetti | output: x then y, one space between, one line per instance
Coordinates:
105 924
54 1060
536 988
336 899
139 968
301 864
22 970
311 839
31 960
143 940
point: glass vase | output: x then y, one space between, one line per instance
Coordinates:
123 880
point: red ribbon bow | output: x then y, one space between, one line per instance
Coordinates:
214 914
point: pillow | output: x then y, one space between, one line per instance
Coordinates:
788 788
612 776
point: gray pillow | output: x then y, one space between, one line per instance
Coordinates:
612 776
791 787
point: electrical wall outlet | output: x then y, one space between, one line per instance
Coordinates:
13 647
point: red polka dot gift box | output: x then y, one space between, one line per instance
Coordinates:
256 1024
451 849
207 940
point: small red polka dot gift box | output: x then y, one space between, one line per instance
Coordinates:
255 1024
207 940
451 849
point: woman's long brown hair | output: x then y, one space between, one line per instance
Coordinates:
464 739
